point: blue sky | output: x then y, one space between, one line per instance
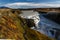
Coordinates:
30 3
10 1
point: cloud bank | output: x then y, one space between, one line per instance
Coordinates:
32 5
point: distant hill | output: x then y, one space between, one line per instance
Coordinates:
3 7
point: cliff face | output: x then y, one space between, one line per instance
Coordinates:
14 27
54 17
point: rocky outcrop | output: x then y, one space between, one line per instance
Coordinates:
14 27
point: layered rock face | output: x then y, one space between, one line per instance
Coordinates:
14 27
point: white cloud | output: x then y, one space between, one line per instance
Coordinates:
31 5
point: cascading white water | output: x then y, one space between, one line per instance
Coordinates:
36 19
30 14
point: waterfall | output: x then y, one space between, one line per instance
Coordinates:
36 19
43 25
31 15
